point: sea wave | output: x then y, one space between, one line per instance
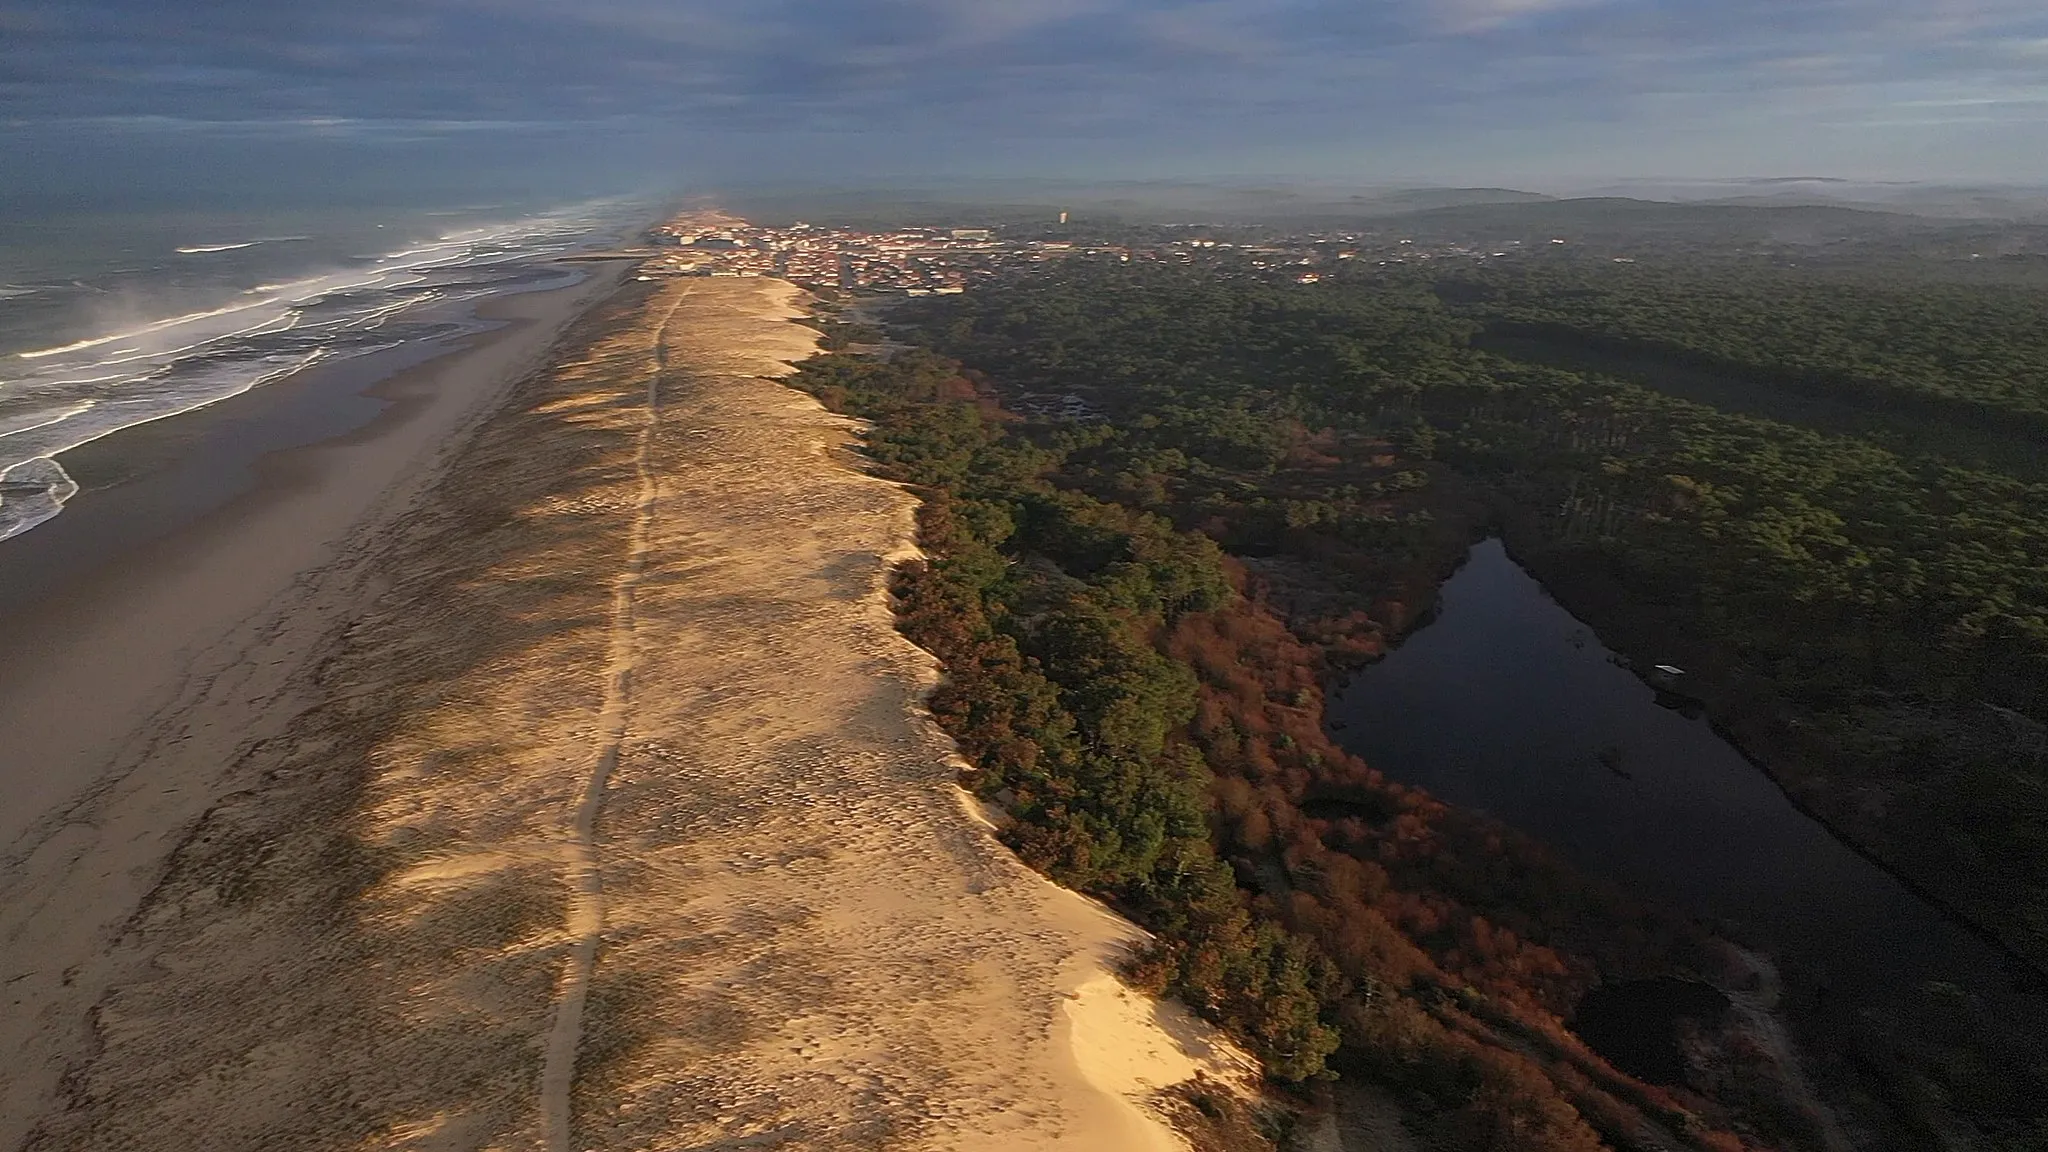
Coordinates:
150 329
57 398
32 492
34 489
208 249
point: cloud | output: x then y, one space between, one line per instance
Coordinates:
955 79
1469 16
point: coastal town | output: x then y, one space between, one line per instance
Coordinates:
945 259
921 261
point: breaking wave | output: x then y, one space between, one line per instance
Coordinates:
56 398
208 249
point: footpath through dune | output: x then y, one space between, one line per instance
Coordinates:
622 826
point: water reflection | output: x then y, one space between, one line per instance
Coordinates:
1509 705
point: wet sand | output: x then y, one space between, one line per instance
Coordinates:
152 631
610 819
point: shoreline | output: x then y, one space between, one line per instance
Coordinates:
154 650
216 495
147 481
546 845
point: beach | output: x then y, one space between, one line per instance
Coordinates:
155 630
568 788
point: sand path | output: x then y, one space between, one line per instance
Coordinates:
619 826
585 873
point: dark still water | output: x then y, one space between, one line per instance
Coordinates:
1508 705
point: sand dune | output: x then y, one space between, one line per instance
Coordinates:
620 825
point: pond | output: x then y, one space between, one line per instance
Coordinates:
1507 704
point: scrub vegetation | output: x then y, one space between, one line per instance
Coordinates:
1163 508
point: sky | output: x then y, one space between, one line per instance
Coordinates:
1529 93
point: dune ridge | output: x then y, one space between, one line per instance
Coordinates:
621 824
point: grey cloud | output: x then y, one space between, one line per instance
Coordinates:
1159 73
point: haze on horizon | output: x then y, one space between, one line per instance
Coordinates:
1551 95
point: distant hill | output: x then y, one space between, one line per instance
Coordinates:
1285 203
1327 203
1946 201
1621 220
1429 199
1802 215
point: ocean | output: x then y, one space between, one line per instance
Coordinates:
113 319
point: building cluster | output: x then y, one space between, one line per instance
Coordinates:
913 261
1313 256
927 261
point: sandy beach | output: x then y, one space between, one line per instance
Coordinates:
582 798
159 629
